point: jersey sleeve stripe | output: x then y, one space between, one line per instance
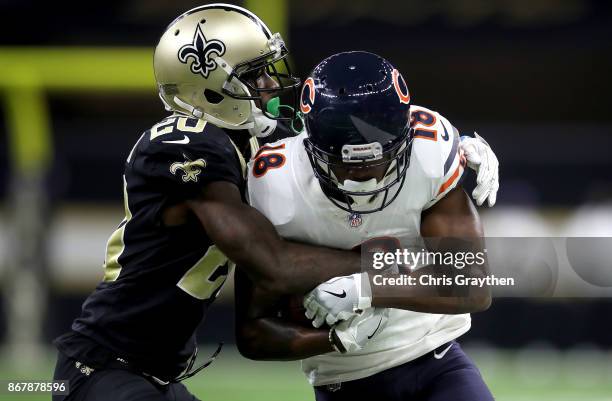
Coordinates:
451 180
453 152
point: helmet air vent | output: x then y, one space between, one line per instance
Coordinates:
212 96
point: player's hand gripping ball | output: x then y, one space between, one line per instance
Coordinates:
353 334
339 298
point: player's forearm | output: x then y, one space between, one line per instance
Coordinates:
278 340
307 266
284 267
451 226
262 335
249 239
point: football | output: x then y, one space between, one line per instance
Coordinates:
293 310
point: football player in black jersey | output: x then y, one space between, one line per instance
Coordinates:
217 70
185 215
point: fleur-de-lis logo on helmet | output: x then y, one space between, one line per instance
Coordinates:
201 50
190 169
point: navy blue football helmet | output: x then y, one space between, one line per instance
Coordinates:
356 108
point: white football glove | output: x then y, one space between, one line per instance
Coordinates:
353 334
481 159
338 299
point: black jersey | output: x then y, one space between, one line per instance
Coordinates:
158 280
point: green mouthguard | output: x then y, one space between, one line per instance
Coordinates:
273 106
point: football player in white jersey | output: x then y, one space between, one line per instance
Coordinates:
371 170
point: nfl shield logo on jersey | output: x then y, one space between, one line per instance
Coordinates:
355 220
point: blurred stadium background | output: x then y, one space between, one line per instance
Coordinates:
533 77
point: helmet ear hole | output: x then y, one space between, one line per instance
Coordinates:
212 96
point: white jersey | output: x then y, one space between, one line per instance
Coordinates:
289 195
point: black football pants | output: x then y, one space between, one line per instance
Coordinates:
113 385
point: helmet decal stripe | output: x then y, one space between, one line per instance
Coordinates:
403 97
309 90
225 6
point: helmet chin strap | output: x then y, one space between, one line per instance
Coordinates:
258 124
166 105
262 125
198 113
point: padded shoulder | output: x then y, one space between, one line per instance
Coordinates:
436 143
435 151
271 184
180 155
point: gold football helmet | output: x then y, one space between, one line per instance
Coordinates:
206 63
